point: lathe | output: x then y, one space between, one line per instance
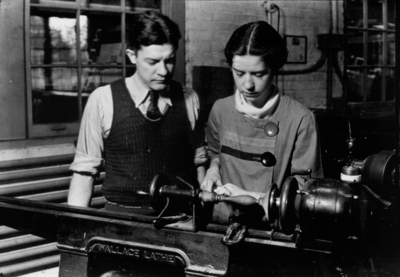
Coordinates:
318 227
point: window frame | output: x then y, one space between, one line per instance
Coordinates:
383 103
78 6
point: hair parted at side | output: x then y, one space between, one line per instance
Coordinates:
152 27
258 39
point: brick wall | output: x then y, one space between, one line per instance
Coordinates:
209 24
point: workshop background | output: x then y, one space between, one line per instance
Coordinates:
341 65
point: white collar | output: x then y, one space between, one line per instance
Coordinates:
139 92
243 107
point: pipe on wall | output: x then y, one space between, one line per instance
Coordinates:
314 67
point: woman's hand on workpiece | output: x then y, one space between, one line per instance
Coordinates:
233 190
230 190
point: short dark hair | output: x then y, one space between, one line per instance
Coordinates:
152 27
258 39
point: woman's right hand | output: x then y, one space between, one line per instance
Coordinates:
212 178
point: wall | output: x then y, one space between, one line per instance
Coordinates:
176 11
12 71
209 25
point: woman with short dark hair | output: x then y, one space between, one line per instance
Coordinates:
258 118
258 39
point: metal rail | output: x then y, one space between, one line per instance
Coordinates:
60 159
44 179
55 196
34 172
31 265
18 242
6 232
30 252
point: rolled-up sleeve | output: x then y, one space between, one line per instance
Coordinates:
193 106
90 146
197 124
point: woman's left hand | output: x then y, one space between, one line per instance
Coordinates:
230 190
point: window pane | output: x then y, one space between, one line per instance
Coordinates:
151 4
53 38
391 13
375 48
375 14
92 78
354 13
367 78
95 77
129 22
54 2
102 45
106 2
390 84
391 36
355 48
54 95
355 85
391 49
374 84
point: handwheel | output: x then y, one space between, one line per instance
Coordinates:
268 203
377 170
287 212
157 201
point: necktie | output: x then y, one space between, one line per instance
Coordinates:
153 112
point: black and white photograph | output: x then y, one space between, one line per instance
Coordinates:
199 138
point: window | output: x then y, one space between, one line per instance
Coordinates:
74 46
370 52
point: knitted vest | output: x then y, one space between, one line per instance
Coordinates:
137 149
